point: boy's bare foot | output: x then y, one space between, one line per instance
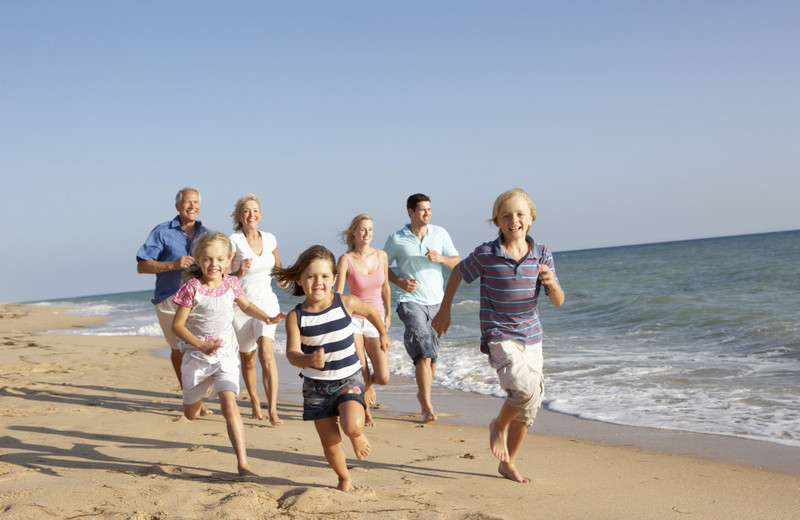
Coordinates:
274 419
429 416
361 446
245 471
344 485
497 442
510 472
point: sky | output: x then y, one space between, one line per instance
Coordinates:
627 122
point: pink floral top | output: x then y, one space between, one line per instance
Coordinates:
211 315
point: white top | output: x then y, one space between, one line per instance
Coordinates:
257 281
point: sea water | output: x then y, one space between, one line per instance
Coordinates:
700 335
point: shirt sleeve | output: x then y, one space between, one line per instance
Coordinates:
388 247
185 295
152 247
470 267
234 284
448 249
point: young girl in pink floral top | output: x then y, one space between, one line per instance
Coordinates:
203 325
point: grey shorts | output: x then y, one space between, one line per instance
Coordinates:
321 399
519 368
419 338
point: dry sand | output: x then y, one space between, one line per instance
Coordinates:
91 427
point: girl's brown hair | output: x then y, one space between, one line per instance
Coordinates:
292 273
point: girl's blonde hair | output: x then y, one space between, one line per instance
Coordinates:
498 203
291 274
237 225
200 244
347 236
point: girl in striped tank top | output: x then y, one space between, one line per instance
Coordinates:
319 340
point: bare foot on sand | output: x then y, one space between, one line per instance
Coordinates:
361 446
245 471
497 442
344 485
368 421
274 419
256 411
205 411
510 472
428 416
372 396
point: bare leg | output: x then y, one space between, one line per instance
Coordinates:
176 357
369 391
331 439
424 371
249 376
505 439
233 419
352 421
269 371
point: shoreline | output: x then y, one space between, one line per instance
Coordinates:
93 426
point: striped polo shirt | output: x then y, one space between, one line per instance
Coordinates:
333 330
509 291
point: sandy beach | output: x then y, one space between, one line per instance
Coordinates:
92 427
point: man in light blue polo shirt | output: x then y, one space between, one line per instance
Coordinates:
420 251
166 253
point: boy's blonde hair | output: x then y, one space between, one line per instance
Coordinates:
237 226
347 236
200 244
291 274
516 192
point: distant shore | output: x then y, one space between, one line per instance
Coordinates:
92 426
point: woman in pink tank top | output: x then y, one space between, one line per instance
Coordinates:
364 268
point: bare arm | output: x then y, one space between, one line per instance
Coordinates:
556 294
441 322
180 330
253 310
355 305
448 261
342 268
409 285
155 267
386 291
294 353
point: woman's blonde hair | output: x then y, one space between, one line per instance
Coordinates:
200 244
291 274
347 236
516 192
237 225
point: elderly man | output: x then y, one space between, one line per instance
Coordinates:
420 250
166 253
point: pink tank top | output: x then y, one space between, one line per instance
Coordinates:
368 286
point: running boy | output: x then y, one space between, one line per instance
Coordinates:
513 269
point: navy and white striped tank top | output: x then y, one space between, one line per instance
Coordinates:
333 330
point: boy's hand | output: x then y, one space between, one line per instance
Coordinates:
441 322
546 275
318 359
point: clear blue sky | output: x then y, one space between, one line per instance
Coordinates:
626 121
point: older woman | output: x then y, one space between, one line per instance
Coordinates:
255 254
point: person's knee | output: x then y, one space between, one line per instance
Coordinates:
380 378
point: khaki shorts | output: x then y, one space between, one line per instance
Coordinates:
519 368
166 314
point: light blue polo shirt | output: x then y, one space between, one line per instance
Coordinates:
168 242
404 248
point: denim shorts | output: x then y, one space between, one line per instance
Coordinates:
321 399
419 338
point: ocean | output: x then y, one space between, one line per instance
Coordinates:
699 335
